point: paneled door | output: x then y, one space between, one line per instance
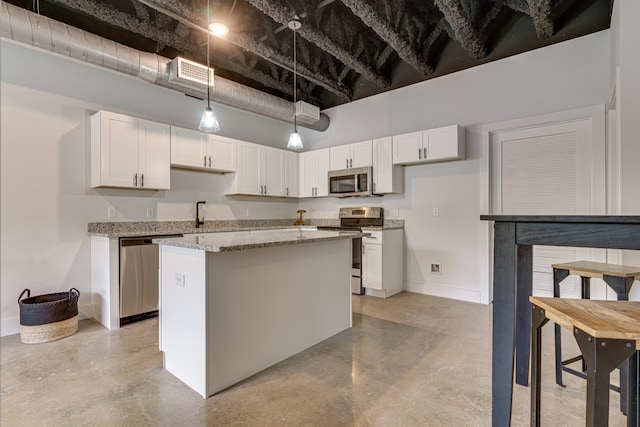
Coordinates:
551 168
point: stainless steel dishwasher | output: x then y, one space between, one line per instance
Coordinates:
139 265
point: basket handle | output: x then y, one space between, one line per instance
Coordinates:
28 294
73 295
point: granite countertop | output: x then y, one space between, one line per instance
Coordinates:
165 228
237 241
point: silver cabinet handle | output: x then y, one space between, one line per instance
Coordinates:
142 180
205 161
350 163
419 153
374 187
347 161
287 191
262 189
425 153
209 161
135 180
265 189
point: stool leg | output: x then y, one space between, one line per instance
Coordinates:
633 417
586 294
558 276
621 286
602 356
538 320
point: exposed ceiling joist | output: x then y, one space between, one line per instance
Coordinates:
463 27
540 12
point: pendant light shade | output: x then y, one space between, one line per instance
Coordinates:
208 121
295 142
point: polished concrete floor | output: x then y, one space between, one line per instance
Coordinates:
410 360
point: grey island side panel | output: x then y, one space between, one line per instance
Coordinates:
237 241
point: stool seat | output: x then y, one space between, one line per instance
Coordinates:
600 319
607 333
597 270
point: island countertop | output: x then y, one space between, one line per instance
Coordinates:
242 240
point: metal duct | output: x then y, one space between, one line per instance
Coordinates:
27 27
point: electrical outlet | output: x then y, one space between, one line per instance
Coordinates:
180 279
111 212
149 212
435 269
436 212
395 213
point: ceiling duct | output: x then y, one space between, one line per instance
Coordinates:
36 30
307 113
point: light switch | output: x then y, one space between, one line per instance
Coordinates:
111 212
149 212
436 212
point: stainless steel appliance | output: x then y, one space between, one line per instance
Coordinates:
139 264
355 182
356 219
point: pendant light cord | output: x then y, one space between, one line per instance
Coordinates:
208 67
295 86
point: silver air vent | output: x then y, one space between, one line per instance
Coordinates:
189 73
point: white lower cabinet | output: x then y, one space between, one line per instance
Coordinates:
260 171
382 262
127 152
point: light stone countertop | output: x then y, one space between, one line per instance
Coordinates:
242 240
160 228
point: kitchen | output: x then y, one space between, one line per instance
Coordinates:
45 168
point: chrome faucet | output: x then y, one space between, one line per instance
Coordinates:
199 222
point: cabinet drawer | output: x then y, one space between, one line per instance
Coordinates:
374 238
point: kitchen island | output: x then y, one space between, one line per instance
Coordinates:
235 303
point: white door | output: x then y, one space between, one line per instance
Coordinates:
323 172
249 168
222 152
551 169
407 148
155 155
188 148
274 172
361 154
340 156
119 146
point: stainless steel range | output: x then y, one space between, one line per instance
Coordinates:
357 219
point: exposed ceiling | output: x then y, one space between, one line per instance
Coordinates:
346 49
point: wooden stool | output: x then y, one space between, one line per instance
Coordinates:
608 333
619 278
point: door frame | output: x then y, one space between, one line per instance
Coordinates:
596 115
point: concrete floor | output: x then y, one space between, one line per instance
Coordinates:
410 360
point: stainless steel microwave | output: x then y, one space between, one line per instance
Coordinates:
353 182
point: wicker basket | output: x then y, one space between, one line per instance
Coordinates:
48 317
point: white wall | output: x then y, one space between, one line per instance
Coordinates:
624 47
46 201
560 77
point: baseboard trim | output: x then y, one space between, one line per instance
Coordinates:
444 291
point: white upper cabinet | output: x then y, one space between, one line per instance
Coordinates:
314 168
127 152
433 145
191 149
260 171
349 156
387 177
291 174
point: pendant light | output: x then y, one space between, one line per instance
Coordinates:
209 121
295 142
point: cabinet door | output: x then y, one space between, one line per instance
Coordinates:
407 148
372 266
308 173
221 153
445 143
249 171
274 172
188 148
340 156
114 145
361 154
387 177
154 163
322 176
291 174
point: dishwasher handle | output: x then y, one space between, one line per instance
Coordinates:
136 242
